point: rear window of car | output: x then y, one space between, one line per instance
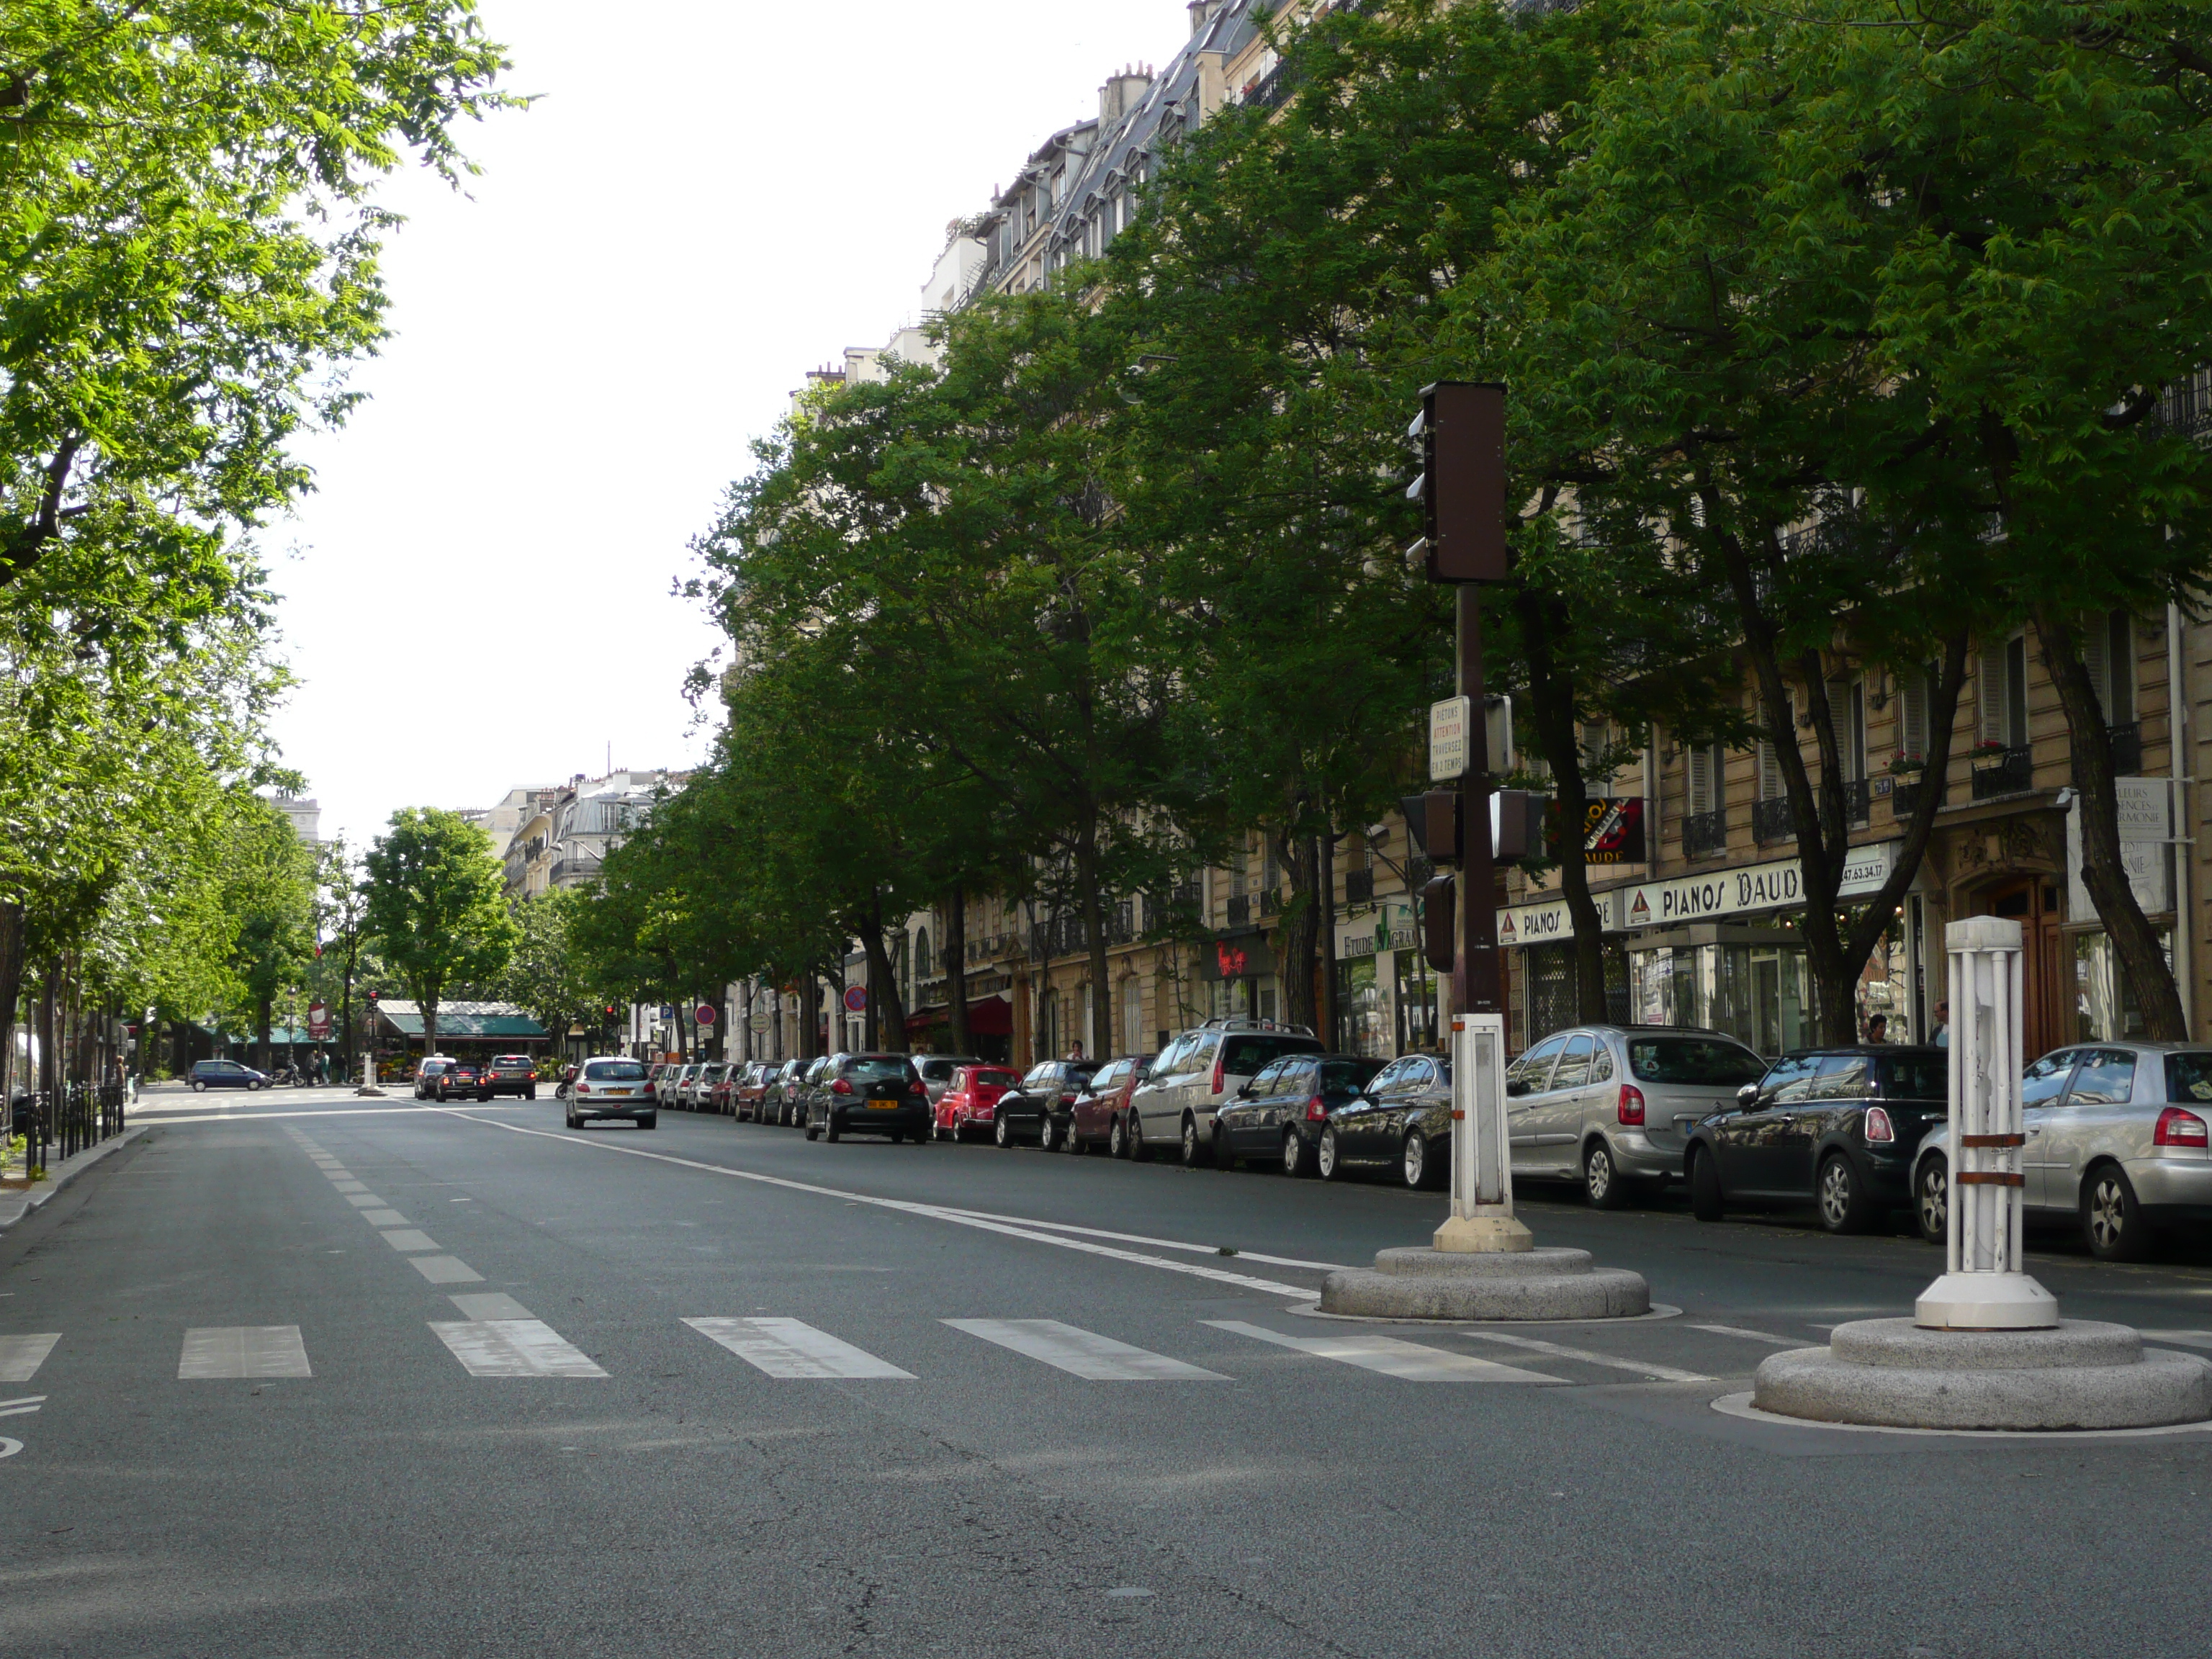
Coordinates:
879 1070
1699 1062
995 1079
614 1071
1241 1057
505 1061
1922 1077
1349 1075
2189 1077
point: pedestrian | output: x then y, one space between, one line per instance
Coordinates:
1942 1025
1878 1028
1075 1051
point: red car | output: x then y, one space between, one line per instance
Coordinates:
1101 1116
747 1084
967 1103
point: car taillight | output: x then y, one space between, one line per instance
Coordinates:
1629 1108
1316 1111
2178 1128
583 1088
1878 1126
1220 1072
839 1086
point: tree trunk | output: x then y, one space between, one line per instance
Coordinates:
11 987
886 1008
2135 941
1299 929
430 1007
1551 700
1092 903
48 1068
1325 860
952 939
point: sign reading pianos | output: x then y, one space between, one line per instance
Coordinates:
1748 889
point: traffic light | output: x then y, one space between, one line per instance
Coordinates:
1462 484
371 996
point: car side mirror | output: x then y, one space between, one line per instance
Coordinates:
1747 1094
1518 1086
1243 1091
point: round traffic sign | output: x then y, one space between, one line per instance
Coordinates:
760 1022
856 997
706 1013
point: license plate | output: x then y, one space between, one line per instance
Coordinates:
883 1105
617 1092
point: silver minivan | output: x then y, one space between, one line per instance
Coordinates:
1199 1072
2119 1138
936 1071
1611 1106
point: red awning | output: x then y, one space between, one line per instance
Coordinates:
987 1016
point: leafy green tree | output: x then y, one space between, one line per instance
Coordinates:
269 891
435 909
546 975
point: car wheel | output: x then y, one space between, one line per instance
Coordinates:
1189 1142
1117 1138
530 1094
650 1121
1073 1145
1002 1134
253 1088
199 1087
1417 1167
484 1099
831 1131
810 1131
897 1136
2112 1225
1297 1161
1706 1202
1224 1157
1842 1197
1601 1181
1326 1163
1047 1134
1139 1152
1931 1201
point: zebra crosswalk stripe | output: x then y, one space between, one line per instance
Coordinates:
792 1348
231 1351
513 1347
1411 1362
1083 1353
22 1356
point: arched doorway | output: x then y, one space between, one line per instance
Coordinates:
2035 904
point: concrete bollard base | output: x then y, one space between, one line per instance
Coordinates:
1530 1285
2080 1374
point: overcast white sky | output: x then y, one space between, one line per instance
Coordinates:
707 200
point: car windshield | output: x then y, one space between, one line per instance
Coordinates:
1241 1057
882 1068
1918 1077
1701 1062
2189 1077
615 1071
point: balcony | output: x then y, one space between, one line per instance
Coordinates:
2127 748
1359 887
1905 798
1240 909
1770 820
1270 902
1705 835
2004 772
1858 810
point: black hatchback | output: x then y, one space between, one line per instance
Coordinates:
866 1094
1836 1126
1279 1117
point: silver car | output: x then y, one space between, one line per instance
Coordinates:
1200 1072
936 1071
2117 1140
1611 1106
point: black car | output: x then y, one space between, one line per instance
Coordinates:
226 1074
1045 1105
461 1079
1400 1121
1836 1126
877 1093
508 1074
1279 1117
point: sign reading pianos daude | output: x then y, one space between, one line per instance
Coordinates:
1749 890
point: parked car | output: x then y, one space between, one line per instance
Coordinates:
669 1091
699 1090
936 1071
612 1086
1101 1114
722 1098
2119 1143
784 1097
1282 1116
509 1074
1042 1102
230 1075
1201 1071
1836 1126
1611 1107
460 1080
426 1075
877 1093
969 1102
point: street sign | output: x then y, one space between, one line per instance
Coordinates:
856 997
318 1020
1448 723
705 1015
760 1022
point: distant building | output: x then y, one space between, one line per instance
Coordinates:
306 817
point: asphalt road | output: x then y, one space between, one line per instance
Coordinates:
508 1440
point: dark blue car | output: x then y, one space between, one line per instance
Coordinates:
226 1074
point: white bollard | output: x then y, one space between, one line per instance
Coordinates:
1481 1219
1983 1287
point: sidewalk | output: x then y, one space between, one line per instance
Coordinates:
16 1203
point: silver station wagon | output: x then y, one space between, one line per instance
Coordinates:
1611 1106
2118 1137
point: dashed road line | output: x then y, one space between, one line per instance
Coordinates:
1083 1353
1755 1336
1410 1362
1642 1367
790 1348
22 1356
234 1351
513 1347
446 1270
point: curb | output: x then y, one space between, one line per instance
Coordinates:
17 1207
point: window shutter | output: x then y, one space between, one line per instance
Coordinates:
1771 787
2120 668
1912 713
1990 696
1839 721
1701 778
2092 634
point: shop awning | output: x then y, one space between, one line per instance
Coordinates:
987 1016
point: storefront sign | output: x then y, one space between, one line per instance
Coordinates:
1613 830
2143 835
1747 890
1241 956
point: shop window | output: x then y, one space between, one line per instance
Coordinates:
2105 1010
1414 1004
1364 1011
1552 1002
1757 993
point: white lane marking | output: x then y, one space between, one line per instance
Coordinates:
365 1200
384 1218
490 1304
409 1238
22 1356
350 1186
2187 1339
1642 1367
144 1114
513 1347
446 1270
1755 1336
1158 1243
789 1348
23 1408
1083 1353
1409 1361
220 1350
908 1206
